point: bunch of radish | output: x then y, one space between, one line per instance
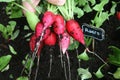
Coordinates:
49 29
54 27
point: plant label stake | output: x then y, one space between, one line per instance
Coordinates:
96 33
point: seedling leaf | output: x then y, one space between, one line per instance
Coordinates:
99 74
83 56
4 60
84 73
6 0
12 50
114 57
116 75
22 78
99 7
73 44
15 34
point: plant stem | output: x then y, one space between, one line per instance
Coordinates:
68 60
50 68
37 67
61 53
96 55
65 72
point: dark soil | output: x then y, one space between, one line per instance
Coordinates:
57 73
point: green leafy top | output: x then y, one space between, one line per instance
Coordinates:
114 57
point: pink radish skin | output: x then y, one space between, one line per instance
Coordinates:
51 39
46 33
38 29
59 25
64 42
73 28
32 44
29 6
48 19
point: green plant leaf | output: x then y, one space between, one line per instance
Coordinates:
32 20
12 50
15 34
22 78
13 11
99 74
4 60
2 28
79 12
116 75
82 2
99 7
6 68
87 8
6 0
73 44
27 62
93 2
113 8
84 73
83 56
100 19
114 57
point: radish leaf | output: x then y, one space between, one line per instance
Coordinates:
83 56
116 75
99 74
84 73
12 50
114 57
6 0
22 78
4 60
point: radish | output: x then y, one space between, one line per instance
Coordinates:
48 19
75 31
33 42
64 42
30 12
59 25
30 5
59 28
118 15
39 31
51 39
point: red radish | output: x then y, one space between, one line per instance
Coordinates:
51 39
46 33
73 28
48 19
59 25
118 15
38 29
32 43
64 42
